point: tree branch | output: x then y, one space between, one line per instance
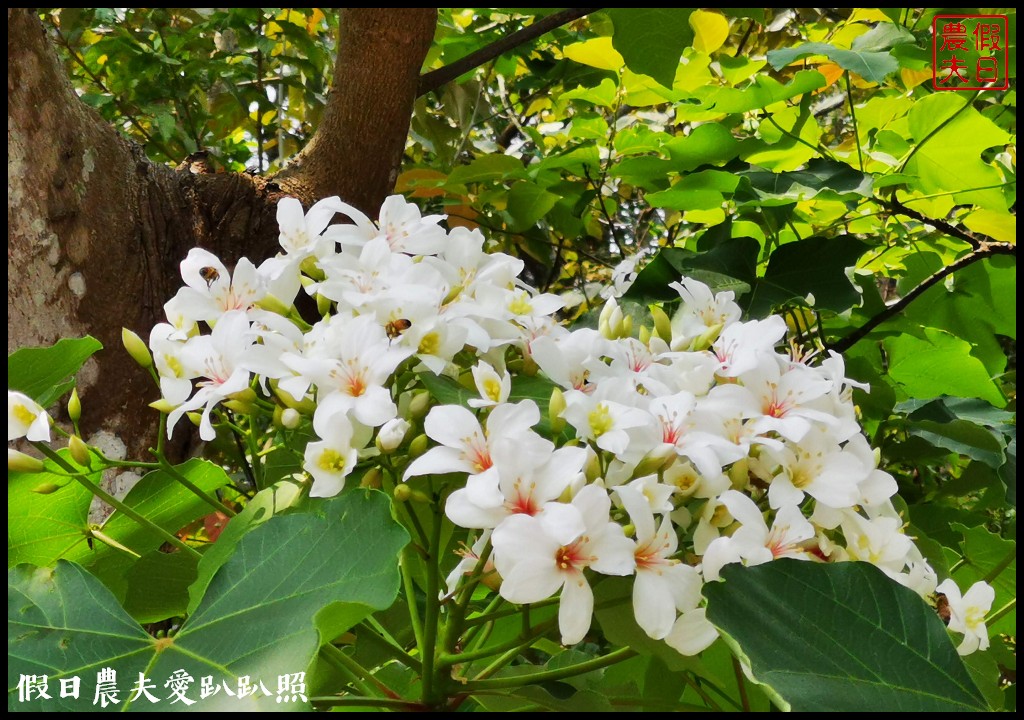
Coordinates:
898 208
444 75
987 249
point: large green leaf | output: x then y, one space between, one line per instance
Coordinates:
257 618
963 437
939 364
162 500
651 40
709 144
820 176
763 92
813 266
951 136
840 637
528 203
46 373
47 514
728 265
266 504
869 56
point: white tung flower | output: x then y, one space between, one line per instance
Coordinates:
26 418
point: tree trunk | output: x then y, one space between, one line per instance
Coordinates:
358 148
96 230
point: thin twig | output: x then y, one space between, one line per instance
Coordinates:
895 206
988 250
444 75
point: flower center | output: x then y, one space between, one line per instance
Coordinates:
600 420
24 415
430 344
331 461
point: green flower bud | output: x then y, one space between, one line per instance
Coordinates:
272 304
20 462
418 446
74 406
79 451
402 492
371 479
419 405
46 488
136 348
162 405
662 325
556 406
323 305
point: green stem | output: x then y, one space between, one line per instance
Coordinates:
1000 566
692 682
114 502
487 617
457 619
372 635
432 612
409 588
522 643
518 644
998 614
736 669
194 489
853 117
348 667
467 639
616 656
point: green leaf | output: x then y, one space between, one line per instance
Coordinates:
840 637
158 586
257 618
729 264
820 176
486 168
815 266
883 36
602 94
46 373
963 437
596 52
951 136
871 64
789 138
162 500
266 504
651 40
938 364
44 527
947 409
709 144
528 203
763 92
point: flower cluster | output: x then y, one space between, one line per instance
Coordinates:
668 456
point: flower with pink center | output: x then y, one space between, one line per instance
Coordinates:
536 559
217 358
753 543
663 584
212 291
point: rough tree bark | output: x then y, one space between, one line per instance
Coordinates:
96 231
